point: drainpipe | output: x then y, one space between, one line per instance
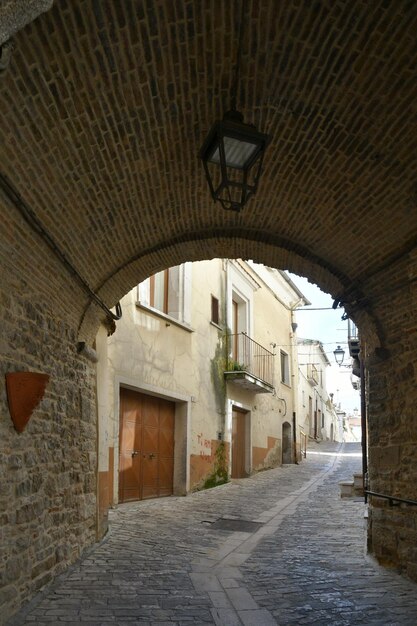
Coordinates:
294 435
364 428
294 367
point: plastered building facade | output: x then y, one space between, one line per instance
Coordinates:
211 342
317 412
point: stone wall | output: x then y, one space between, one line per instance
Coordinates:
48 472
392 397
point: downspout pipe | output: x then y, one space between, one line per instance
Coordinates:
294 435
364 429
294 367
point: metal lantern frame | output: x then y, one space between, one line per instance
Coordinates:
213 151
339 355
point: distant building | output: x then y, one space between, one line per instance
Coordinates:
353 426
317 412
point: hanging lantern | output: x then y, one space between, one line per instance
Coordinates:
232 156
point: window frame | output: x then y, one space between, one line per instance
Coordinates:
152 285
285 367
215 310
146 295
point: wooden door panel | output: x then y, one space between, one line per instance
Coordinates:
146 446
166 443
149 477
238 444
149 440
166 415
150 447
130 470
150 411
130 436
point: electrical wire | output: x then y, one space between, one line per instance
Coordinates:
31 218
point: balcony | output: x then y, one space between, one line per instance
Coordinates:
312 375
251 366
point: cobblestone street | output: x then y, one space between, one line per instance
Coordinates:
168 562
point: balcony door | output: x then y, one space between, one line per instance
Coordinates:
239 324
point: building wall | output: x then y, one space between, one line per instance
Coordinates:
328 424
392 424
152 353
47 472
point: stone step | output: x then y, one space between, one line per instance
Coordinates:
358 484
346 489
351 488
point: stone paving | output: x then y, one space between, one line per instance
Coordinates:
167 562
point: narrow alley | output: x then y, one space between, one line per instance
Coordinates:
280 547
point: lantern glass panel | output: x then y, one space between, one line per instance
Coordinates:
238 153
339 355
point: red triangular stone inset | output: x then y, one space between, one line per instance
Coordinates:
24 392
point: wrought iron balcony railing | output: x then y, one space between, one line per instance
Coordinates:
248 356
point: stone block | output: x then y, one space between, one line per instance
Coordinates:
358 484
346 488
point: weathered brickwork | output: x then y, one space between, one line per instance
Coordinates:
48 472
104 108
393 427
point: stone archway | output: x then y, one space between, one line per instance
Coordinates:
101 186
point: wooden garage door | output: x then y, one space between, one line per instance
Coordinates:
146 446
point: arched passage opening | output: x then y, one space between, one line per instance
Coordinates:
163 314
257 246
277 256
196 251
80 390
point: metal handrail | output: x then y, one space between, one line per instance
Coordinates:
248 355
391 499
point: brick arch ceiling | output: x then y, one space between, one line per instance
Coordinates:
105 105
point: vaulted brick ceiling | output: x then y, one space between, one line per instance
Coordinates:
105 105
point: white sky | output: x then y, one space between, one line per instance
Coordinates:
328 327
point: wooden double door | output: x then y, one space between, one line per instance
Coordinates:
146 446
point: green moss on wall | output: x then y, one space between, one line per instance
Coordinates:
218 367
219 475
